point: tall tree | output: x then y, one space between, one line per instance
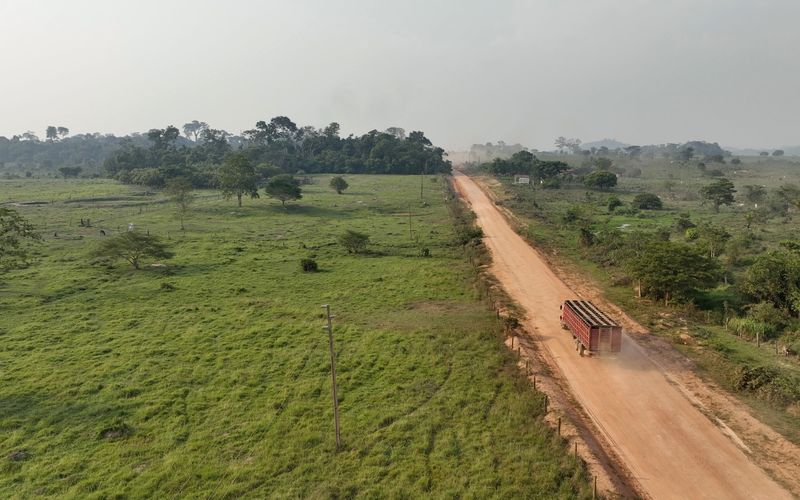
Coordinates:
163 138
214 144
51 134
418 137
397 132
238 177
719 193
193 129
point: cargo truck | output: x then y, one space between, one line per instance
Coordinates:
594 332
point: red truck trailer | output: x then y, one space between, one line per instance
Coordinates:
592 329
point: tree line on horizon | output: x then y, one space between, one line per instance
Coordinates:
275 147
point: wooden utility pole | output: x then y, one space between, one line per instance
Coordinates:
329 327
410 231
422 181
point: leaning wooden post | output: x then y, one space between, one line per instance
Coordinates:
329 327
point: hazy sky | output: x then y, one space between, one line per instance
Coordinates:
641 71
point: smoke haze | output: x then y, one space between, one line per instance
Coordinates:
640 71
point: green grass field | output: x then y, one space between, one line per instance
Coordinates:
719 353
210 377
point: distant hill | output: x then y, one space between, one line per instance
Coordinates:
611 144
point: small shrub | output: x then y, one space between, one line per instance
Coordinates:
466 234
587 237
571 215
684 223
309 265
627 211
551 183
613 203
167 287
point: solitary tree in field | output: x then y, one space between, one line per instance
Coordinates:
15 231
179 190
338 184
647 201
238 177
133 246
353 241
284 188
719 193
601 180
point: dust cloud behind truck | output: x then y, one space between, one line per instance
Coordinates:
594 332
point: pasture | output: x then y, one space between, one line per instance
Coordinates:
209 376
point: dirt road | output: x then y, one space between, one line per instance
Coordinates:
671 448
